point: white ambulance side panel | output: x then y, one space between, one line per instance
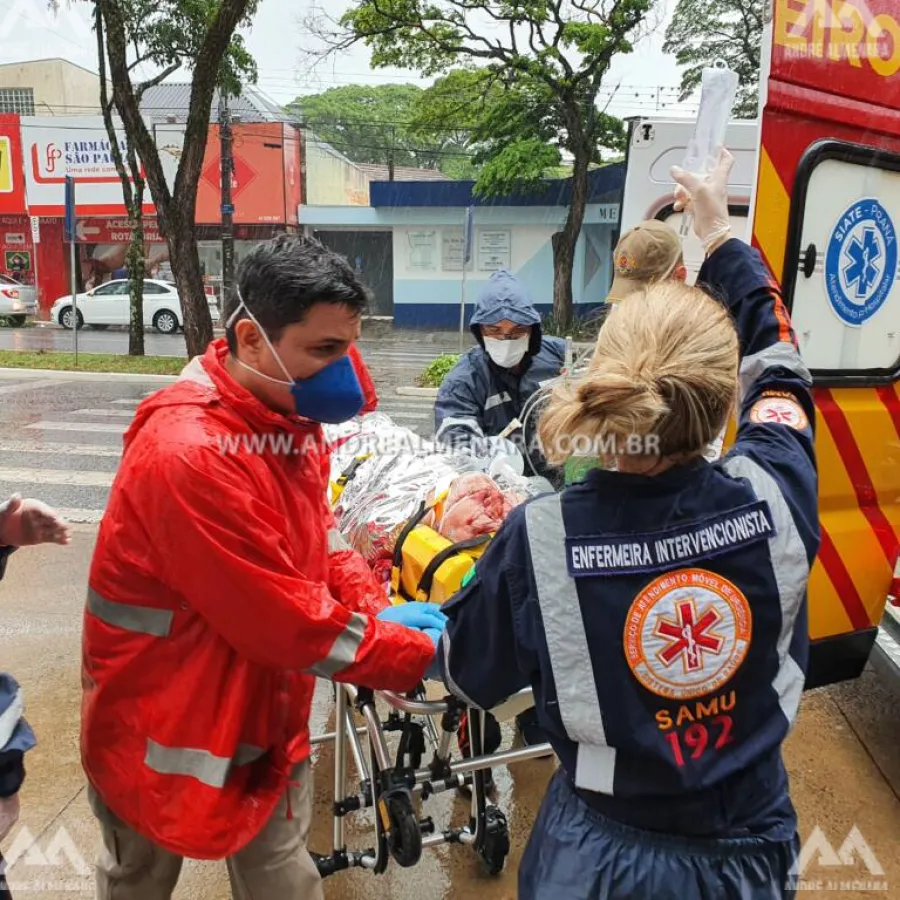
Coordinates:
659 144
846 313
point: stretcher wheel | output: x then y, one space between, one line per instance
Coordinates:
495 847
405 836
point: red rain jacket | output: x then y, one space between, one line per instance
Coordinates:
218 588
365 379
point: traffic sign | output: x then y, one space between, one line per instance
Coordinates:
70 209
227 209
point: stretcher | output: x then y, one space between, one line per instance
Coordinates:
396 779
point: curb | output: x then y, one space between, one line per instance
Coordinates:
417 392
70 375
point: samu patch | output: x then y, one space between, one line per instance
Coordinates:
779 408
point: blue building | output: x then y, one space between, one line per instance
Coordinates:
408 244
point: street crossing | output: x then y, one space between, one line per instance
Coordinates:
68 457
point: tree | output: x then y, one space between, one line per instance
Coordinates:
171 34
554 51
701 33
512 125
132 180
371 124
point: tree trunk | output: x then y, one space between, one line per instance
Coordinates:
135 262
565 241
175 208
185 258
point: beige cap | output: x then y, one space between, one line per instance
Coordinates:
646 253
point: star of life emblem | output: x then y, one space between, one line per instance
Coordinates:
687 633
861 261
774 410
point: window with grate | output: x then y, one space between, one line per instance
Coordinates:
17 100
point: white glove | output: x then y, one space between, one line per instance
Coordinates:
27 522
9 814
706 197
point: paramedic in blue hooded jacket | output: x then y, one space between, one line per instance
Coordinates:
22 522
658 610
490 385
486 391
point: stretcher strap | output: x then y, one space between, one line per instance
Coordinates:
350 471
411 523
440 558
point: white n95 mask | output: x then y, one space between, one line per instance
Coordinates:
506 353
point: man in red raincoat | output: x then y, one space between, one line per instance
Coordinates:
220 587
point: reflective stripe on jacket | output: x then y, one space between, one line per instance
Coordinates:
218 589
662 621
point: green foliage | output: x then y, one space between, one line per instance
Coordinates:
731 30
585 328
438 369
372 123
524 97
172 33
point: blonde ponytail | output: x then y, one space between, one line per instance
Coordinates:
662 380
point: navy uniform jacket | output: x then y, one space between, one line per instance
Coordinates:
662 621
16 736
478 398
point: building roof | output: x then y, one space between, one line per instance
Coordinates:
173 98
48 59
605 185
401 173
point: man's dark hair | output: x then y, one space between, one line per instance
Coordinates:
283 278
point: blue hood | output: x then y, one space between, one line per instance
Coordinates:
504 297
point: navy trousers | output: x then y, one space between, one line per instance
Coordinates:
576 853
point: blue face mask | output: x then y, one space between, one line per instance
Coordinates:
331 396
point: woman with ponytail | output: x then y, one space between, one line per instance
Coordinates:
658 608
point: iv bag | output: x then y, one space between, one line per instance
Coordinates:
718 91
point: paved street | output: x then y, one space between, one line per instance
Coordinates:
409 348
60 439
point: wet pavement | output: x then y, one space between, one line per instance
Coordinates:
61 439
843 756
411 346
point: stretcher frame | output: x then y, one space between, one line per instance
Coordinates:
389 783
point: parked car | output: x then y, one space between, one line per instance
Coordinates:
17 301
110 304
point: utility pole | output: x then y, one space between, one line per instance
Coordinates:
391 153
227 160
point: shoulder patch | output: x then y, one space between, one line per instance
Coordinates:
687 633
779 408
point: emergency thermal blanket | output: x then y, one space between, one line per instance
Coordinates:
400 473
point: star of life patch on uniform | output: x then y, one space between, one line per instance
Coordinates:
687 633
689 544
779 408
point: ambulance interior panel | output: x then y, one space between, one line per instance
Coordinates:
846 309
693 249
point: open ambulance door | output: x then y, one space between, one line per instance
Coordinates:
825 215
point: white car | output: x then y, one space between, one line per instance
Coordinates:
110 304
17 301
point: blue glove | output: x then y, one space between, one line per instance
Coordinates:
433 671
415 615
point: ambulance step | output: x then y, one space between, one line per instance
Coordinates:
886 652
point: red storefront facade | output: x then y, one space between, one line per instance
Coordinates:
40 152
